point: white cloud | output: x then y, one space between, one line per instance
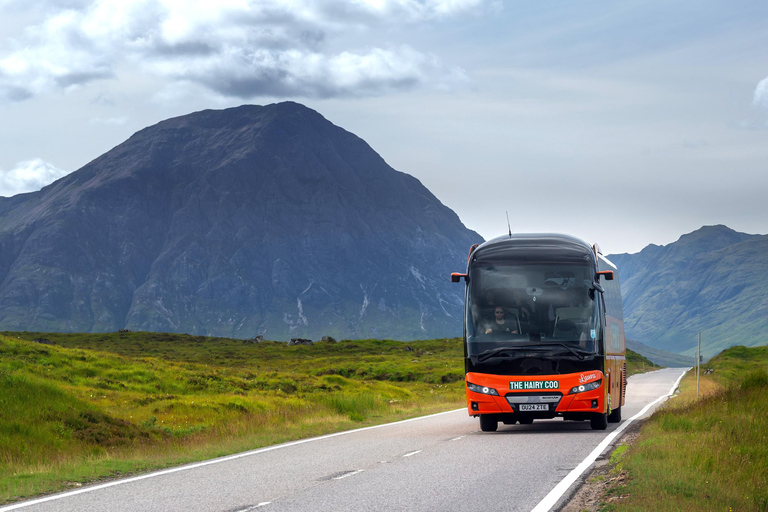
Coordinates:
761 93
28 176
234 47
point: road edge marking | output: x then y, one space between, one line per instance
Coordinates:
551 499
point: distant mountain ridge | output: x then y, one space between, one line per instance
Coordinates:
251 220
713 280
661 357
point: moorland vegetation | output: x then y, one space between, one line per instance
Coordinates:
80 407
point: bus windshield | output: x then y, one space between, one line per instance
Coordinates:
531 310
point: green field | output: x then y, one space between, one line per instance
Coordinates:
709 453
94 406
81 407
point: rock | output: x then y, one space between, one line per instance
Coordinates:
299 341
257 339
44 341
328 339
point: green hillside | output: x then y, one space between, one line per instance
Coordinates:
637 363
660 357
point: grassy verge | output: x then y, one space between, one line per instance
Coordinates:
86 407
639 364
706 453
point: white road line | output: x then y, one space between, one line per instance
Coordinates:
412 453
254 507
345 475
457 438
211 462
555 494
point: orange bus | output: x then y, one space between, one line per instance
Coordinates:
543 332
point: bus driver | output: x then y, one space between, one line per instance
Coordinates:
499 323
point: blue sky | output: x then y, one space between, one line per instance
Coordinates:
623 123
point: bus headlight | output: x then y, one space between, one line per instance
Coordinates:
585 387
485 390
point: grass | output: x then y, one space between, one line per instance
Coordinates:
706 453
637 363
88 407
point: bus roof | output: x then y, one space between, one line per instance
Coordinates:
534 248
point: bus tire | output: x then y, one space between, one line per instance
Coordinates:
488 423
599 421
615 415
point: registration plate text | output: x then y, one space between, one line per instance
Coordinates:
533 407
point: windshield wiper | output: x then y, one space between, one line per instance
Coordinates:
488 354
496 352
570 349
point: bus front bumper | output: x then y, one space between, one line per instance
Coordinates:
542 396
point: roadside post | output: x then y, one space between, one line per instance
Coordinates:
698 365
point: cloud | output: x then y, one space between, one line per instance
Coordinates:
28 176
235 48
760 97
244 73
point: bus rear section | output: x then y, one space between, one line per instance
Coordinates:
542 336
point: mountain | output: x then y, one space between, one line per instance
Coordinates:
713 281
661 357
251 220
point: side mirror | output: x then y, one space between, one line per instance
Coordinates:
456 277
607 274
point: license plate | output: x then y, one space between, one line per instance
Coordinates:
533 407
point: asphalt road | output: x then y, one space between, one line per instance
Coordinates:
435 463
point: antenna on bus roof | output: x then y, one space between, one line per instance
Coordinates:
508 225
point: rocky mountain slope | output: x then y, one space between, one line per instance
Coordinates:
251 220
713 280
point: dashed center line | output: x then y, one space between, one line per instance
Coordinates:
254 507
345 475
412 453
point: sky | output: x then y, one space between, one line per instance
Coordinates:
624 123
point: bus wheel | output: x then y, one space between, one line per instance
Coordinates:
599 421
488 423
615 415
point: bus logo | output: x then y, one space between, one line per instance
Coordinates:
584 378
